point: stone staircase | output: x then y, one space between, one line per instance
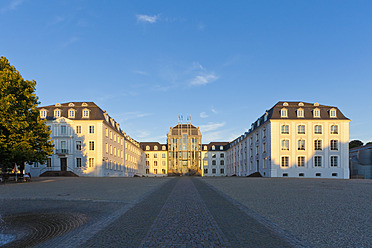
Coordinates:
58 174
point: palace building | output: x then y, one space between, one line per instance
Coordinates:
292 139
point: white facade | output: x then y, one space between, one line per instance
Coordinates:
312 146
88 142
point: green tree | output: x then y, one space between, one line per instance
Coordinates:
355 143
24 137
369 143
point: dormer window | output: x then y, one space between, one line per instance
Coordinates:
221 148
300 104
332 113
284 113
147 148
43 114
71 104
163 148
300 113
58 105
57 113
84 104
85 113
316 113
205 148
265 116
155 148
213 148
71 113
285 104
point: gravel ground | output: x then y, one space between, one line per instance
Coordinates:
324 213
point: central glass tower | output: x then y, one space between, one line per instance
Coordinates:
184 150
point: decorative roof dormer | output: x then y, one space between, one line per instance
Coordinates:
284 113
332 113
316 113
300 113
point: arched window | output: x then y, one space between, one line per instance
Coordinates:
57 113
332 113
285 129
316 113
300 113
284 113
334 129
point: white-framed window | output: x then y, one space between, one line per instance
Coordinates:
163 148
213 162
222 171
222 162
78 129
285 129
214 155
257 150
163 155
85 113
155 155
91 162
213 148
63 129
155 148
221 148
49 162
334 145
155 171
334 161
213 171
284 161
106 132
107 148
317 161
318 129
78 162
43 114
91 145
71 113
57 113
300 113
285 145
155 163
316 113
284 113
334 129
63 146
301 161
301 145
301 129
163 163
318 145
91 129
333 113
111 149
147 148
78 145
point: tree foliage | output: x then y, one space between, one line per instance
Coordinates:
355 143
24 137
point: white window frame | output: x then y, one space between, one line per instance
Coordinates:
71 113
316 113
333 145
317 131
315 161
85 113
284 129
43 114
299 147
57 113
284 145
300 113
332 113
334 129
317 145
304 161
331 161
298 129
284 113
283 163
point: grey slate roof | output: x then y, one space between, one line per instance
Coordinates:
152 145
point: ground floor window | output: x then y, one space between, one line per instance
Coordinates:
147 171
49 162
213 171
163 171
318 161
285 161
301 161
78 162
91 162
334 161
155 171
222 171
205 171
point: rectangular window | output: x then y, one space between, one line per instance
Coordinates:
163 155
86 113
107 148
91 145
285 145
213 162
213 155
264 147
155 163
155 155
91 162
318 145
147 171
205 171
334 145
155 171
78 129
301 161
147 163
49 162
63 129
300 113
222 162
301 129
317 161
91 129
284 113
71 113
111 150
222 155
106 132
301 145
285 129
285 161
163 171
163 163
78 145
78 162
334 129
63 147
318 129
334 161
213 171
222 171
42 114
316 113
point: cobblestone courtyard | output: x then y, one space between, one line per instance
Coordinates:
186 212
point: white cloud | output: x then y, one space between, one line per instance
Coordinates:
203 115
211 126
12 5
147 18
203 79
214 110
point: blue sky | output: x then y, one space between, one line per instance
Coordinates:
222 62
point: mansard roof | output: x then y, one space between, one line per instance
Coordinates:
217 145
179 129
152 145
292 107
95 113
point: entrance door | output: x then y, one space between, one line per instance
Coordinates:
63 164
